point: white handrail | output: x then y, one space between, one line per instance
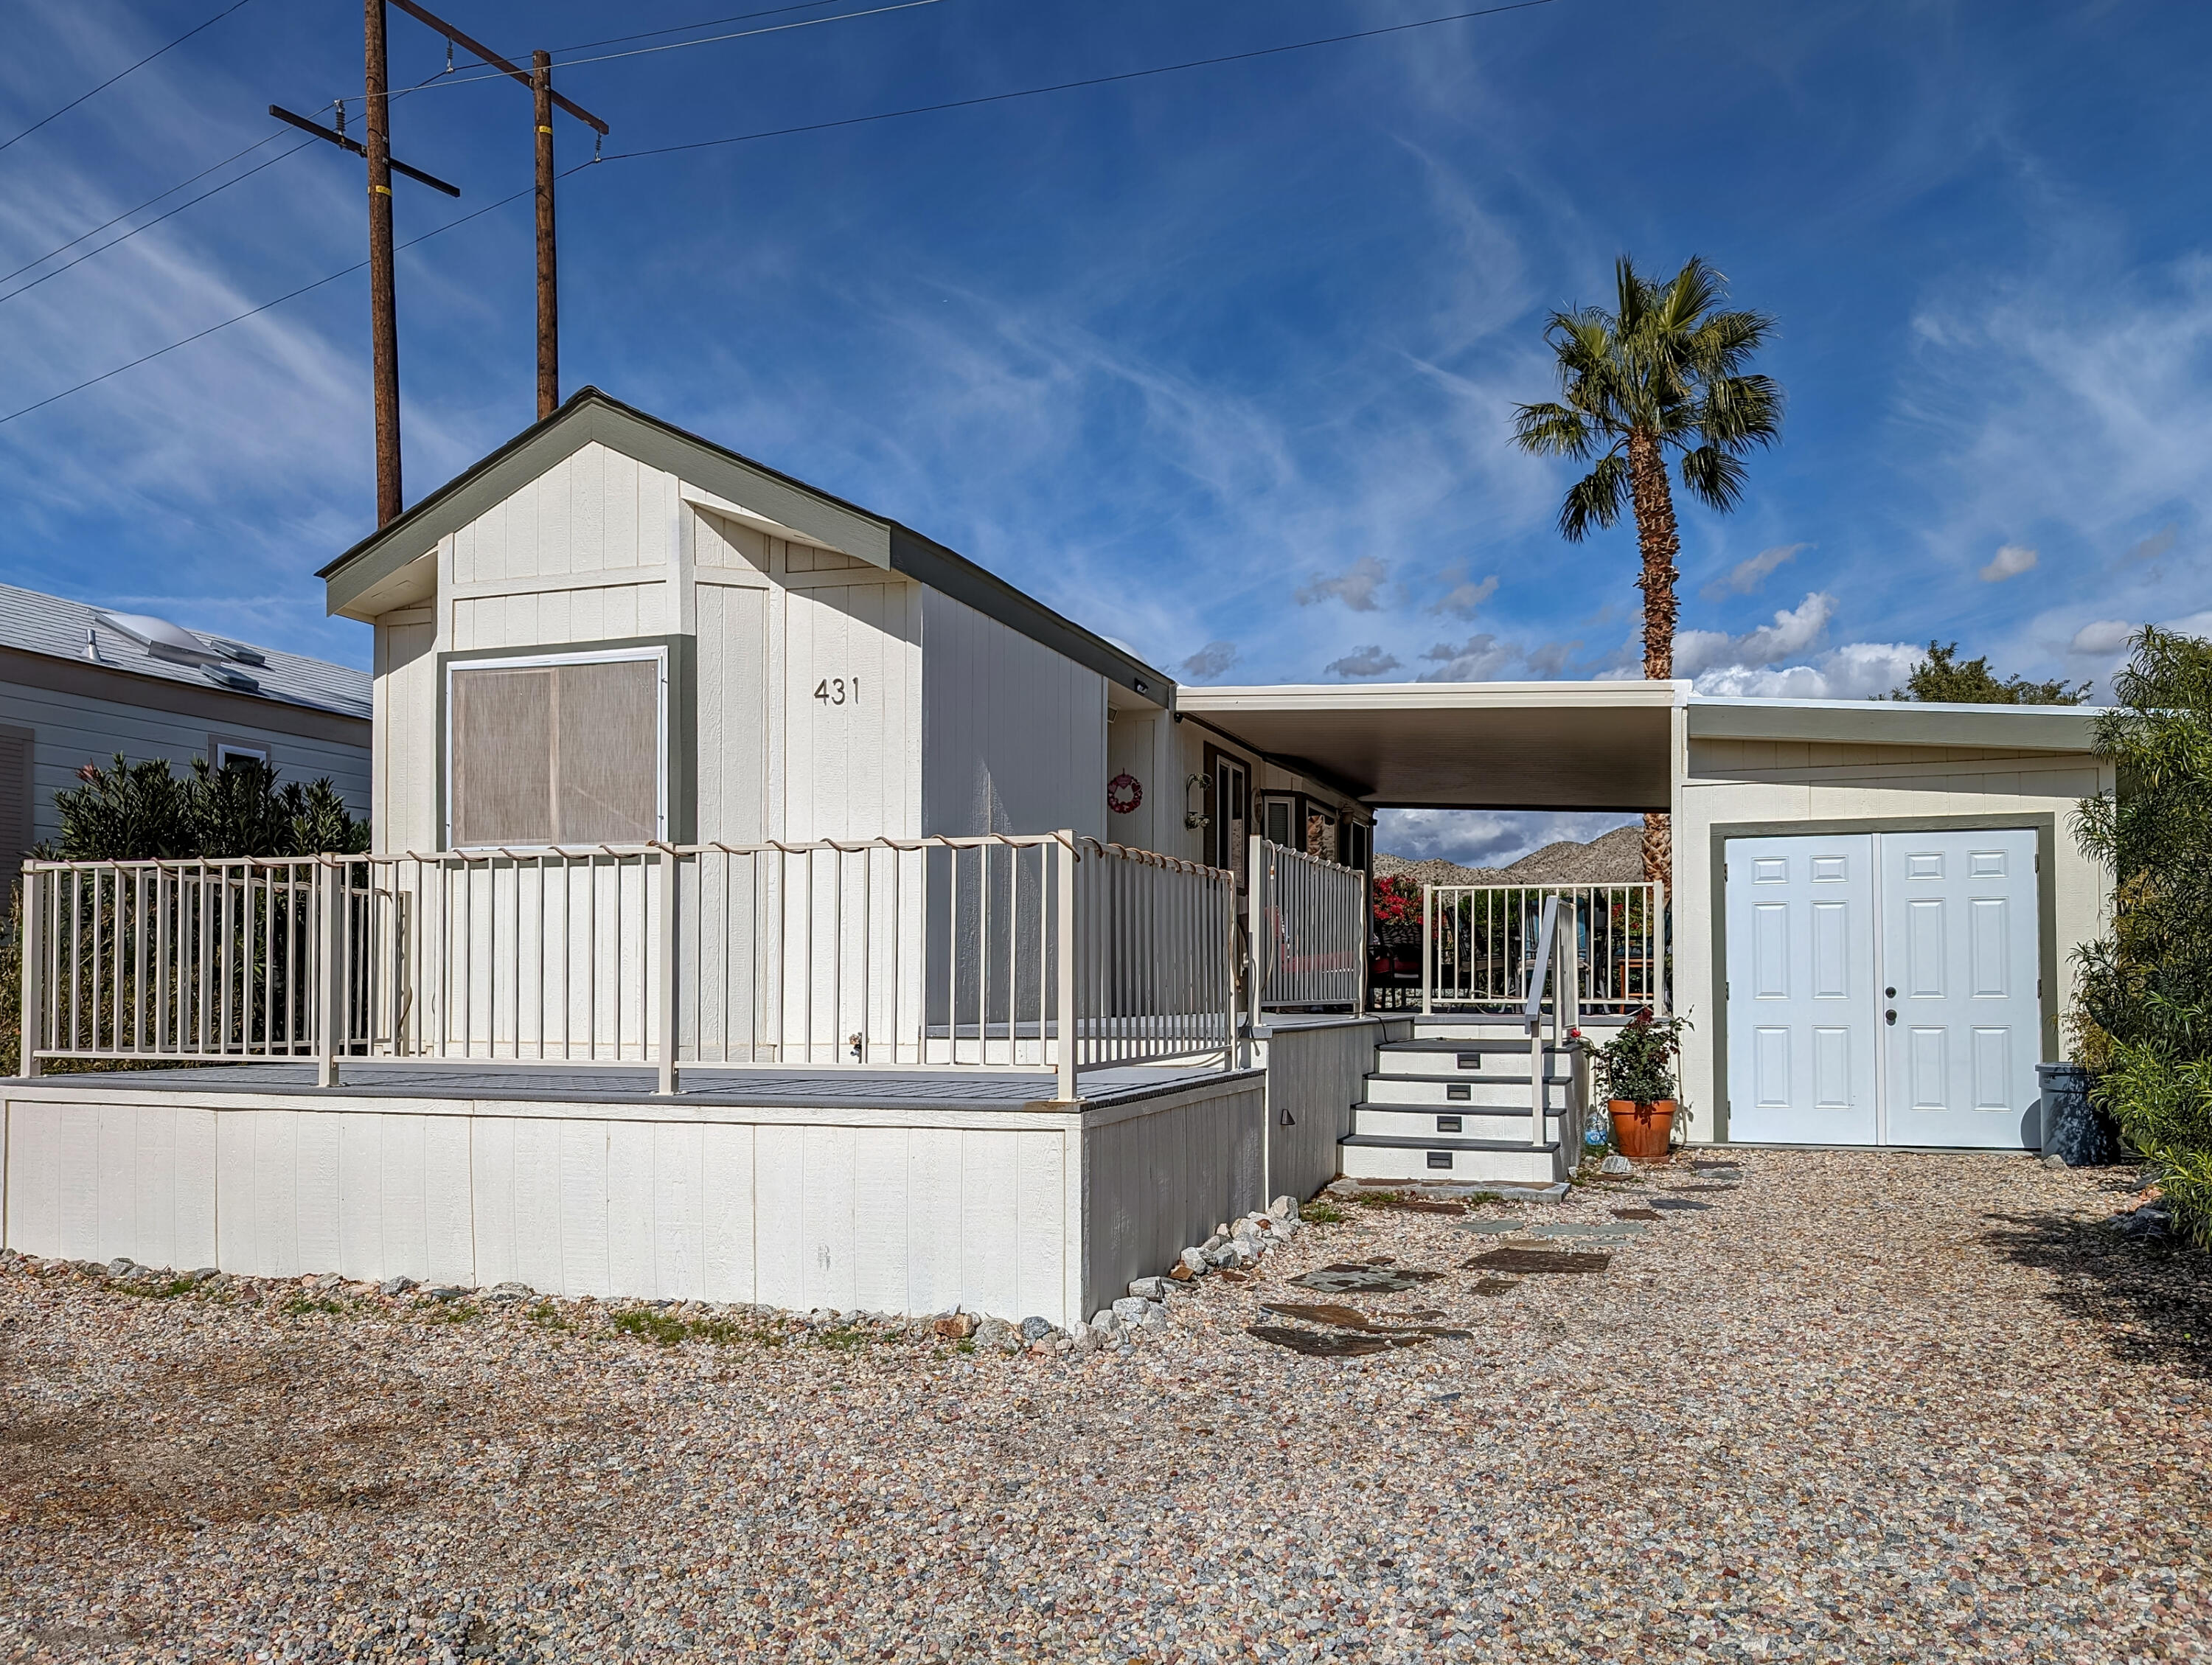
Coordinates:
1306 931
1479 941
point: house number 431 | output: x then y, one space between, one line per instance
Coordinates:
837 690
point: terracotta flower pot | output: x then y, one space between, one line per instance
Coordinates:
1642 1132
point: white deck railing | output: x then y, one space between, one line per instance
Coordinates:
1047 952
1307 927
1479 944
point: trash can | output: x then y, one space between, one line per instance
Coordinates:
2073 1129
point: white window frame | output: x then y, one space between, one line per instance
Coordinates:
221 748
659 656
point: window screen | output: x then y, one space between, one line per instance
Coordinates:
557 754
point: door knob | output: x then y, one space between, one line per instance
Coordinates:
1888 993
1890 1016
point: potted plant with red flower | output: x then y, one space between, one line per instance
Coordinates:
1639 1072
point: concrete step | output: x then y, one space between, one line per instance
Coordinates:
1426 1058
1508 1025
1382 1157
1460 1122
1475 1091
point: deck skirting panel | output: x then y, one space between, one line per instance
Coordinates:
1037 1210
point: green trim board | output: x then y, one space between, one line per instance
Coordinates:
2042 823
683 761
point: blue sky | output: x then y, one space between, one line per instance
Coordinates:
1219 362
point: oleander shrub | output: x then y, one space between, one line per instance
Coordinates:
2145 1025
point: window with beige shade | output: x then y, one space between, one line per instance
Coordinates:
556 751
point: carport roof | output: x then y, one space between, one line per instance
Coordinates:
1571 745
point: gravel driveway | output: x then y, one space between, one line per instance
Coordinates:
1862 1407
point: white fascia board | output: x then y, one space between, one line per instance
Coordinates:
1893 722
700 497
1436 695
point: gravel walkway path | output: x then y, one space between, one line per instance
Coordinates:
1867 1407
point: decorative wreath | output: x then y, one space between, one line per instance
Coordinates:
1124 793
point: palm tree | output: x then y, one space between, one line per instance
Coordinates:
1664 372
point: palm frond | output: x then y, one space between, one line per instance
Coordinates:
1724 343
1688 297
1715 477
1596 500
1552 430
1739 412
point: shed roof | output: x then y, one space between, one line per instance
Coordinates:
54 626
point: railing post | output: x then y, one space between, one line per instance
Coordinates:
326 973
1654 925
1064 972
1428 951
1255 956
34 980
664 971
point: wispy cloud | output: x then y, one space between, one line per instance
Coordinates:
1465 598
2009 562
1478 659
1745 576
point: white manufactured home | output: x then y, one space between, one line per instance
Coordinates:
769 904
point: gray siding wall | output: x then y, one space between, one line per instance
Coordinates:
76 729
1317 1073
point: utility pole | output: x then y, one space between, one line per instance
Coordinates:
383 320
543 99
549 267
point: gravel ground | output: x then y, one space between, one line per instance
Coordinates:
1863 1407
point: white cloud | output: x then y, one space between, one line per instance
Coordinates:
1855 670
1747 576
1368 661
2009 562
1793 631
1212 659
1355 586
1466 596
2104 636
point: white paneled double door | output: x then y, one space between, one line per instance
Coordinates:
1881 989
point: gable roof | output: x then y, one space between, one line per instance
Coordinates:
54 627
766 495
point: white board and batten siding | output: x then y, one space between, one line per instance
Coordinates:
1778 784
1014 1211
1013 735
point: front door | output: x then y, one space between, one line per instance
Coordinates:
1881 989
1961 1013
1801 1013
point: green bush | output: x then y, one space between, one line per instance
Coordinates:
2145 987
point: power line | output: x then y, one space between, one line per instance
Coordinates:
212 167
1069 86
704 24
704 40
188 202
812 127
119 73
290 294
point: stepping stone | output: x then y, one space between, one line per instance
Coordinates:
1492 1228
1334 1344
1495 1287
1363 1279
1716 1168
1352 1318
1538 1261
1582 1228
1635 1214
1678 1202
1696 1190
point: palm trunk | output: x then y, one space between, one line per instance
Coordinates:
1657 540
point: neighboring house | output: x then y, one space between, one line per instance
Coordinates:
79 683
